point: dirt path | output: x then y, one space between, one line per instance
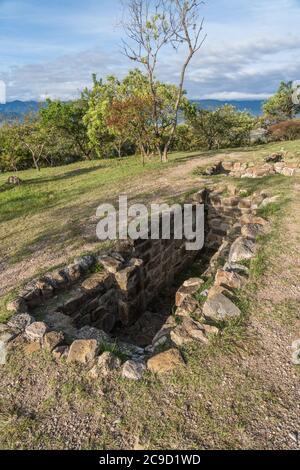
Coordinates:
276 322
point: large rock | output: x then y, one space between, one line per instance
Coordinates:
241 249
83 351
106 364
36 331
20 321
133 370
52 339
165 361
220 308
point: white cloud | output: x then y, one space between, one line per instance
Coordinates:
251 47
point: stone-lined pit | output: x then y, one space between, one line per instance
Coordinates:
128 297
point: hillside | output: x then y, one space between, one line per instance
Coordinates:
240 391
16 109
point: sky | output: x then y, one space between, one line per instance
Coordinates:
51 48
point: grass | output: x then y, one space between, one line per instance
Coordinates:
210 404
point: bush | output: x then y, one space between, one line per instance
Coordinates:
285 130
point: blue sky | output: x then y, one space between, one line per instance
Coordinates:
51 48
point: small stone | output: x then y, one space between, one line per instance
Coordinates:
32 348
111 263
186 292
85 263
59 321
74 303
16 305
36 331
250 219
252 231
220 308
52 339
187 332
130 350
3 328
89 332
242 249
211 330
195 282
230 280
165 361
56 279
3 353
20 321
215 290
98 283
106 364
14 181
188 306
236 268
60 352
72 272
133 370
275 157
7 336
269 200
83 351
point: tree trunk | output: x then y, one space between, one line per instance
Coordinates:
165 154
36 163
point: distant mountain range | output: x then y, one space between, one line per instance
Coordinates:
252 106
17 109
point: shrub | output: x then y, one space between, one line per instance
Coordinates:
285 130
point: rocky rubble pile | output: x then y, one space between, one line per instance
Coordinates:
273 164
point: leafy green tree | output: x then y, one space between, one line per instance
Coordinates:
12 155
34 138
67 120
223 127
280 106
122 111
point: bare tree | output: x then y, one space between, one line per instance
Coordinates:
151 26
